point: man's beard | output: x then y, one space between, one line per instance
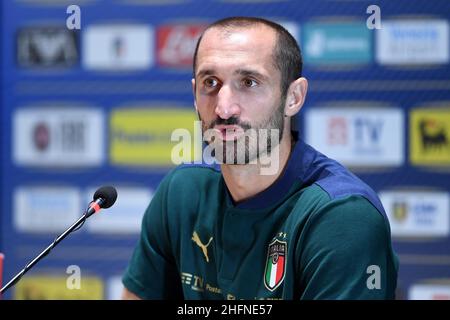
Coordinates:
254 143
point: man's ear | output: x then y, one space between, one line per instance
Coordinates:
295 96
193 92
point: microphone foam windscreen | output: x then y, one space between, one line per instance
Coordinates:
107 193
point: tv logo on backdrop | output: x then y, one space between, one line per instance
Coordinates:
370 138
367 132
48 47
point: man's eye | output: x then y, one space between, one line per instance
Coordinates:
210 83
249 83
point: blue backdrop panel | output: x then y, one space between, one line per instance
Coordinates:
70 79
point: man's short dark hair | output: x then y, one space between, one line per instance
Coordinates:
287 55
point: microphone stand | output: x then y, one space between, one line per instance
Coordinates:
73 227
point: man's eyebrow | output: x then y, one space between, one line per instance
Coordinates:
250 73
241 72
206 72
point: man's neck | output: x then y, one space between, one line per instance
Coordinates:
245 181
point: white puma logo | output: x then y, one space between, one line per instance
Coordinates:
198 242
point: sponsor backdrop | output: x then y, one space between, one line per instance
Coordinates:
83 108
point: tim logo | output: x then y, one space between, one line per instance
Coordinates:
433 135
337 131
46 47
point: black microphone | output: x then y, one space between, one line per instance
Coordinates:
103 198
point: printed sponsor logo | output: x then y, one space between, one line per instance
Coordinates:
430 136
58 137
125 216
48 47
44 209
176 44
337 43
373 137
142 137
429 292
413 42
118 47
55 288
417 213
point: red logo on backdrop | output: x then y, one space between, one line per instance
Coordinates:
41 136
337 131
440 296
176 44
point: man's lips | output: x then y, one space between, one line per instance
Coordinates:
229 132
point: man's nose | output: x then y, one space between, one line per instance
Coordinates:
227 104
